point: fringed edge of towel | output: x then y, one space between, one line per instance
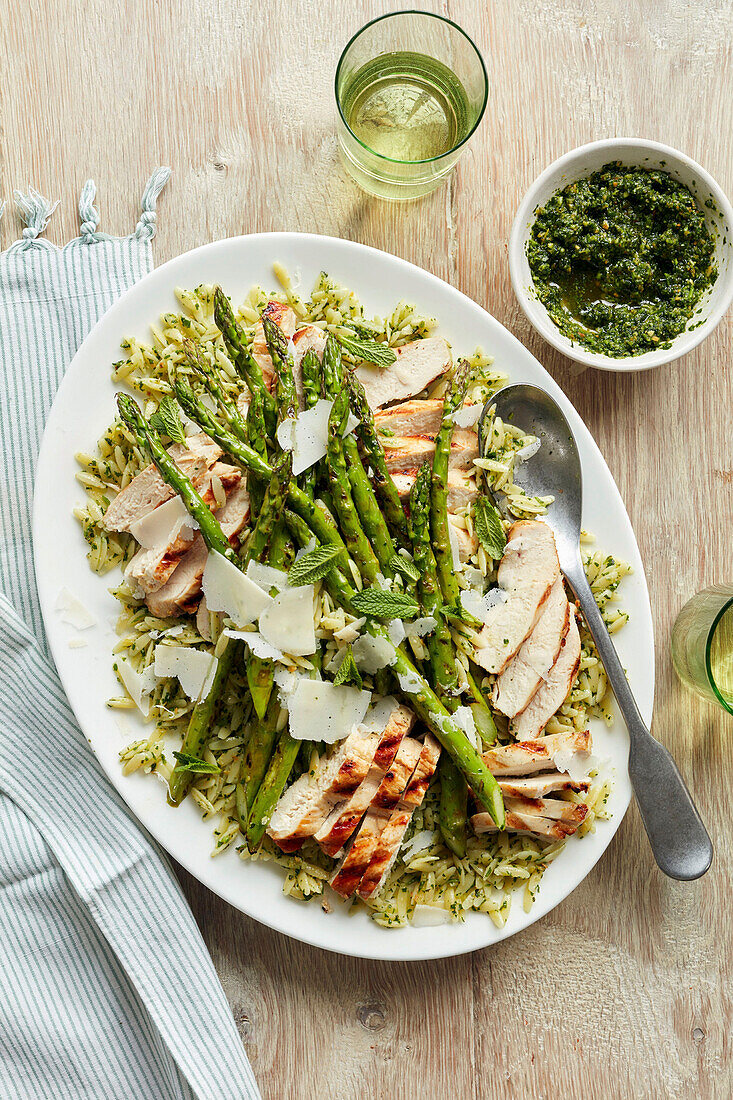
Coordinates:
36 212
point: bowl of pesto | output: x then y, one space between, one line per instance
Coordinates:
621 254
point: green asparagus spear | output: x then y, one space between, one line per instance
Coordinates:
272 506
356 541
282 361
212 384
365 500
199 725
310 370
256 758
236 344
386 489
439 488
256 437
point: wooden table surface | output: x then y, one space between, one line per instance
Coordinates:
625 989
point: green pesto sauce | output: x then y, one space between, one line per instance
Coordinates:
621 259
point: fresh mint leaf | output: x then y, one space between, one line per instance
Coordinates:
367 351
313 566
406 566
488 527
188 763
166 420
348 673
378 604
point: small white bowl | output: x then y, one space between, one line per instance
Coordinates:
643 154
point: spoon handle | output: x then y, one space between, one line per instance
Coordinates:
678 838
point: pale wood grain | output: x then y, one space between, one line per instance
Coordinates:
624 990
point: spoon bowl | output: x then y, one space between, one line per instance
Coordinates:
679 840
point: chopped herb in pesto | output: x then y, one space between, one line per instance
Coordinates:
621 259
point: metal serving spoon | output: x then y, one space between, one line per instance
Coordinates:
678 838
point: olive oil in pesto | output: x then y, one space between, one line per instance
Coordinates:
406 106
621 259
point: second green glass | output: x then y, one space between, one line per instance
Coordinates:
702 645
410 88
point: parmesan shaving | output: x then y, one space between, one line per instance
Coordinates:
266 576
73 611
227 589
307 435
287 623
162 526
319 711
194 669
137 684
371 653
466 417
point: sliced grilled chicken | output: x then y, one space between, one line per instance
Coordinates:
390 838
284 317
146 491
537 786
531 825
529 757
527 572
420 417
151 567
344 819
405 454
554 689
557 809
353 866
307 337
180 594
461 487
518 683
416 366
305 805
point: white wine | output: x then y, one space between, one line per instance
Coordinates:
721 657
406 106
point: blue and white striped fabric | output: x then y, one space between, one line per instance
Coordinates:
108 990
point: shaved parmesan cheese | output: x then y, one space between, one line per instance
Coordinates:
266 576
163 525
429 916
418 843
73 611
310 545
287 682
410 682
467 416
193 669
418 628
350 632
137 684
307 435
371 654
319 711
257 644
287 623
227 589
575 764
473 577
397 632
379 715
480 606
463 718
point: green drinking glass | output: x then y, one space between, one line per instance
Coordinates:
411 88
702 645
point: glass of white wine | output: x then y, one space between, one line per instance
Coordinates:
411 88
702 645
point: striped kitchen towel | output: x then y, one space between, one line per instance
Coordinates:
109 992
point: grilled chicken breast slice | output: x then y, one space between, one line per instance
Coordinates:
406 453
557 809
527 572
344 819
417 365
537 786
419 417
518 683
390 838
148 490
529 757
305 805
152 566
181 592
554 689
530 825
284 317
